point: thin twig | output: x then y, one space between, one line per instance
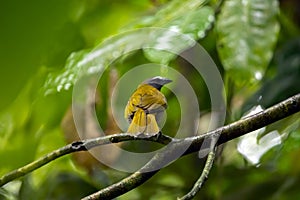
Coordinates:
35 164
213 139
83 145
204 175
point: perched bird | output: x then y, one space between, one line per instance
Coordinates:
145 105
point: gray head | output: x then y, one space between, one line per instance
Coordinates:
157 82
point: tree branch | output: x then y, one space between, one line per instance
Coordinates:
228 132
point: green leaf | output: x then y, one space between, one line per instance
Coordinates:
167 13
247 32
193 25
177 8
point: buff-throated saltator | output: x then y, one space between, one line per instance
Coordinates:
144 105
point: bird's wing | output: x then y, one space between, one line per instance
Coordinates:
150 99
147 98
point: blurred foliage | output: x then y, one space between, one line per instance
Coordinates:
47 46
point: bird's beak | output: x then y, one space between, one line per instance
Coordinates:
165 81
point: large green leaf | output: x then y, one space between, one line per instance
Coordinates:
94 61
247 33
288 67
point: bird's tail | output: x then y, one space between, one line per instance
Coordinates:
143 123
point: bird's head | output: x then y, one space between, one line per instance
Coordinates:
157 82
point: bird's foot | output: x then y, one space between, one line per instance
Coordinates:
149 135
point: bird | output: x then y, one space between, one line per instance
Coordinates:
145 105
